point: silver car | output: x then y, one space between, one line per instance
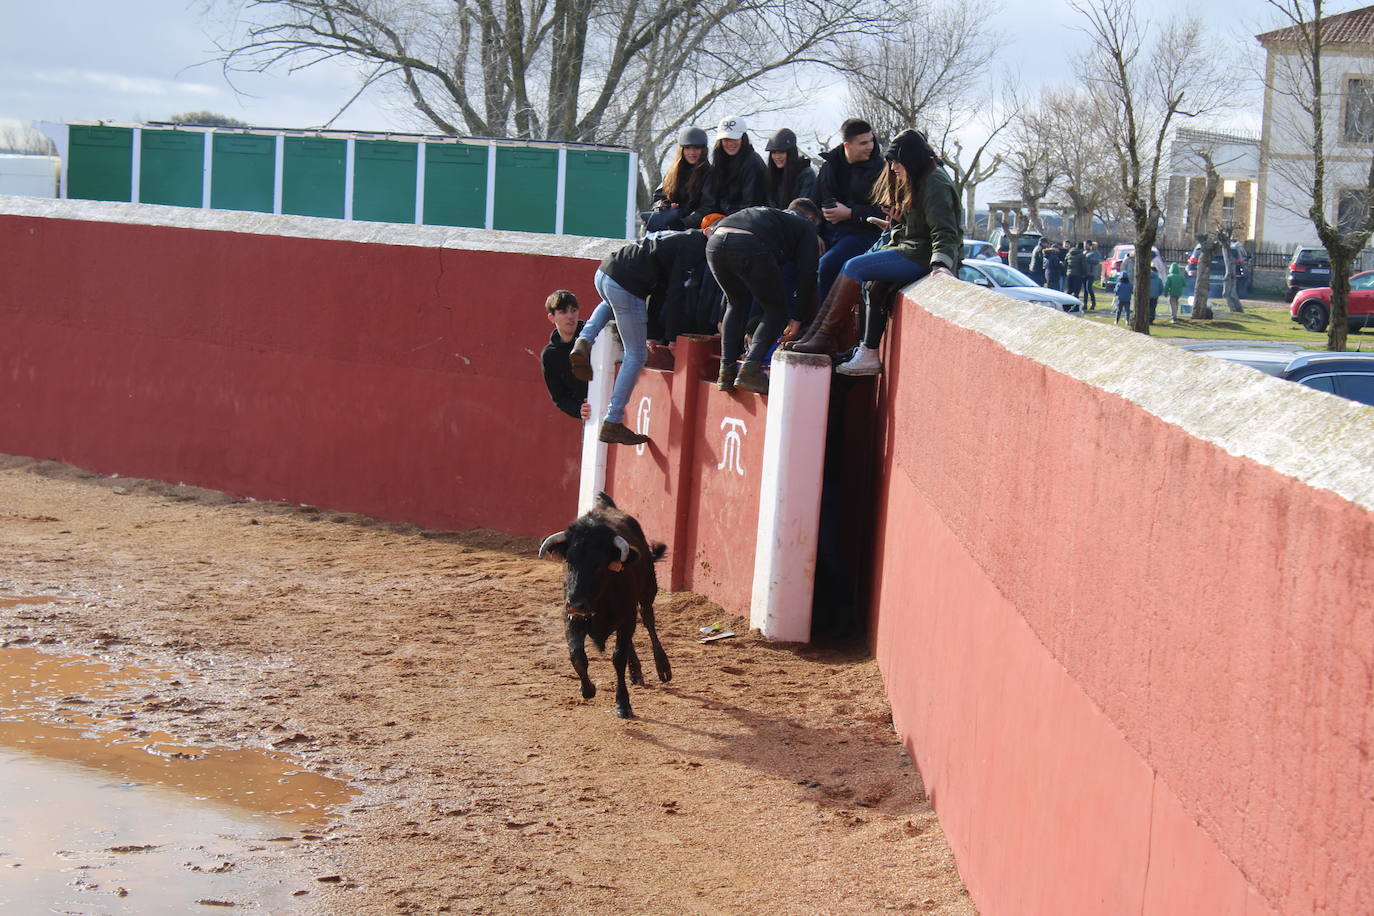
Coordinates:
1013 283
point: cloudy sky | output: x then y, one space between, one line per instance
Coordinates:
68 60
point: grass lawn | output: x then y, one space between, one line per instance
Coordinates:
1262 320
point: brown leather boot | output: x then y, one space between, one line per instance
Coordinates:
751 378
580 359
831 328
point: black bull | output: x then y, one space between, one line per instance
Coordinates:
609 570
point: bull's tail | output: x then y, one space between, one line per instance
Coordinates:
657 550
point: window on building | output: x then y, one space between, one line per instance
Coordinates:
1228 202
1359 110
1352 209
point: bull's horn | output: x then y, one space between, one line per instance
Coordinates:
552 540
624 546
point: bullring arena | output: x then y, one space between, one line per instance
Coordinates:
427 671
1113 598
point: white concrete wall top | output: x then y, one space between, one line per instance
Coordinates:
313 227
1320 439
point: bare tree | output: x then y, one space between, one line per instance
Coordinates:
1084 164
1206 238
206 119
1031 164
603 71
25 141
1151 73
1339 193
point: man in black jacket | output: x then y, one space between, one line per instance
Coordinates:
568 392
746 253
844 189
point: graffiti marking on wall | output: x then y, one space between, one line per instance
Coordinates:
732 446
642 421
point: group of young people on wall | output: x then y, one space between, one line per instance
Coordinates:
764 240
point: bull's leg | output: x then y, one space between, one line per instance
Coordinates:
578 653
665 670
624 649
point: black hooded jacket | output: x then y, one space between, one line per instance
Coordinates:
850 183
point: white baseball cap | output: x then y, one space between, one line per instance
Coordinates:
731 128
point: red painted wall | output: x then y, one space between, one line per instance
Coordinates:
1134 669
398 381
683 487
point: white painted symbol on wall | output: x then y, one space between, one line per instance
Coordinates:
642 422
732 446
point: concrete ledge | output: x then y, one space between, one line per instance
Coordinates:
311 227
1315 437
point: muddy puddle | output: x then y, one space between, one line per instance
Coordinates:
98 816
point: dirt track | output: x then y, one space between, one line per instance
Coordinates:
428 669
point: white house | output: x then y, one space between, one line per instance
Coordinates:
1286 145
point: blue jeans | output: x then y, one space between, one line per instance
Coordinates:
599 318
842 247
632 320
888 266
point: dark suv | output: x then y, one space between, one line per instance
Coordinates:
1308 268
1243 278
1025 247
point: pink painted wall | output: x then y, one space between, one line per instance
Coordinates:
683 487
394 380
1134 669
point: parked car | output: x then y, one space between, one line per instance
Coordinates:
1218 270
1007 280
1025 246
1347 375
1308 267
1117 259
1312 307
1269 358
978 250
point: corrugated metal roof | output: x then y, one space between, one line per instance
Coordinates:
1353 27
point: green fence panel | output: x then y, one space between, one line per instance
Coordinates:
243 172
100 163
172 168
456 184
594 195
384 180
313 176
526 189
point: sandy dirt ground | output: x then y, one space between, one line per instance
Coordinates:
428 669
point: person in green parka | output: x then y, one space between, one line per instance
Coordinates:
1173 288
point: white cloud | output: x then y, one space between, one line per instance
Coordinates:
121 83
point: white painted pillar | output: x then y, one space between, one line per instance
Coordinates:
350 160
559 208
491 185
420 183
278 169
790 496
137 176
207 169
606 352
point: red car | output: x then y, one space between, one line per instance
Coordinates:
1111 264
1312 307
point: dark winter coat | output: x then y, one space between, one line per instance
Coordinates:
567 391
791 238
804 186
850 183
648 266
931 234
729 189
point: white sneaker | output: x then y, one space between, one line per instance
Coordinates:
863 362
